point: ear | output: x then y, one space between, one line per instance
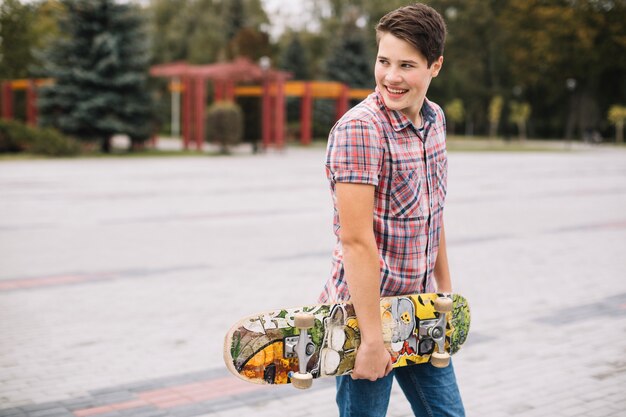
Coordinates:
436 66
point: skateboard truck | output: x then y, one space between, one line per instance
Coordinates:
302 347
436 330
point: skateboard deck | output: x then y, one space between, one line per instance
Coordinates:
274 347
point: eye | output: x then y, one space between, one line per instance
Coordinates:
407 66
383 61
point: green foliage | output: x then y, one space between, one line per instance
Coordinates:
617 116
205 31
519 114
518 50
100 70
16 38
495 109
224 124
17 137
350 60
25 28
251 43
295 59
455 111
495 113
455 114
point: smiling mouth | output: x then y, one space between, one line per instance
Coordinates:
395 91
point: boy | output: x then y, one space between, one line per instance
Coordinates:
387 165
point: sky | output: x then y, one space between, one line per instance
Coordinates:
285 14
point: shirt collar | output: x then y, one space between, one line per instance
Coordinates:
398 119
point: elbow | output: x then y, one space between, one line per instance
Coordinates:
356 242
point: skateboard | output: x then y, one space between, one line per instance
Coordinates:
297 345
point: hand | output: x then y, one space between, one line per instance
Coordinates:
372 362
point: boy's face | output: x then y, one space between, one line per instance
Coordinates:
402 75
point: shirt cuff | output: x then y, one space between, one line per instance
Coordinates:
357 177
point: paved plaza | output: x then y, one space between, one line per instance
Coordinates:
120 276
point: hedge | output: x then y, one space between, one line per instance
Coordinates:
17 137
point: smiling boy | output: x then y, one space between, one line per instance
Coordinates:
387 166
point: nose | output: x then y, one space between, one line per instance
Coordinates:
393 76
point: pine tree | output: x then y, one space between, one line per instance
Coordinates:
100 72
295 60
350 60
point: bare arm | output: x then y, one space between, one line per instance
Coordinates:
442 269
355 204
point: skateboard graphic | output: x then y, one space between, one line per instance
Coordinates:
300 344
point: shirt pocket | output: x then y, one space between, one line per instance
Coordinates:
406 194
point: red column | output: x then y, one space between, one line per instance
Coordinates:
267 114
306 113
31 103
187 108
342 101
200 95
229 90
279 114
7 100
218 93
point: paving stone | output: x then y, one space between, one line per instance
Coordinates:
143 412
33 408
537 249
113 397
12 412
79 403
192 410
52 412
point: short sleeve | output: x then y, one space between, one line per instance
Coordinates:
354 153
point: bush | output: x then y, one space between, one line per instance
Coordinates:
224 124
17 137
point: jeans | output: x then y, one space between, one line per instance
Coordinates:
431 391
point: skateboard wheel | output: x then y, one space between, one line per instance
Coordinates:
301 381
304 321
440 360
443 305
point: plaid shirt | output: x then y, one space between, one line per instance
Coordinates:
373 145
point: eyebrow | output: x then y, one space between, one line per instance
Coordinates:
404 61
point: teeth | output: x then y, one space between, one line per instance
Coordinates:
394 91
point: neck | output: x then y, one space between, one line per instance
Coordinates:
416 117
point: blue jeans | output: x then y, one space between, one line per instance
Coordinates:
431 391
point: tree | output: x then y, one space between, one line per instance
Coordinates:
495 112
16 39
519 114
617 116
206 31
350 60
549 43
251 43
295 59
100 70
455 113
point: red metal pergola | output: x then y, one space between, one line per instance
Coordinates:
224 77
271 86
30 86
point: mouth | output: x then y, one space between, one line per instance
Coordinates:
395 92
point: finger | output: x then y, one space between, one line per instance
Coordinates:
389 367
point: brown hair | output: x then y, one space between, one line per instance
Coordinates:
419 25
